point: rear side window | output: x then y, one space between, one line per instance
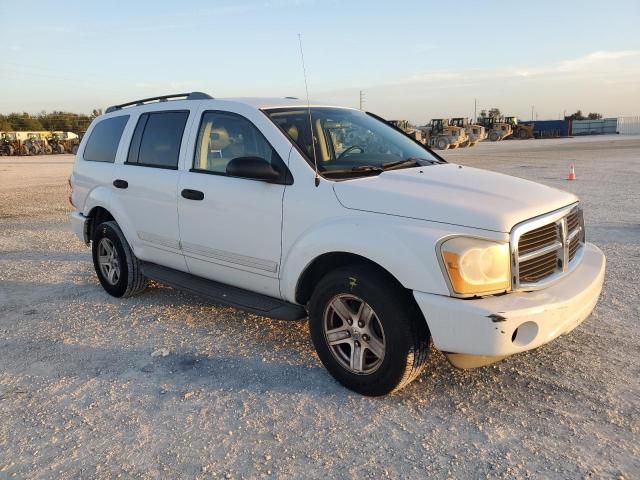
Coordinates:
157 138
104 139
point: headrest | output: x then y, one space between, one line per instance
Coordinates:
219 139
292 131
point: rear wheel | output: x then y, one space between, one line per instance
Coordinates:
366 330
74 149
117 267
523 134
494 137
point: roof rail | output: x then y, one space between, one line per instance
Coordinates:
162 98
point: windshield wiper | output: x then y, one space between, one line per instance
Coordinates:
358 169
367 168
406 163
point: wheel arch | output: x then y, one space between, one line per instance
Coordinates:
96 216
326 262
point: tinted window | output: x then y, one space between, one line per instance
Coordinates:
104 139
225 136
157 138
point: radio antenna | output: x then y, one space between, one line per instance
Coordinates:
313 140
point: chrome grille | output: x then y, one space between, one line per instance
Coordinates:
546 247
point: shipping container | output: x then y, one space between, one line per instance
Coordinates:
550 128
594 127
629 125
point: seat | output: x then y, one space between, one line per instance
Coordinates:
211 157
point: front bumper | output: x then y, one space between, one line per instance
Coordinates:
79 223
499 326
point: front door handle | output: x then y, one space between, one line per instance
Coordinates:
120 183
192 194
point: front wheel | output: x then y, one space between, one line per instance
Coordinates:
494 136
367 331
118 269
442 144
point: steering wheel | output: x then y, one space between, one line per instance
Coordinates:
348 150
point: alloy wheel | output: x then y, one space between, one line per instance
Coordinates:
354 334
108 261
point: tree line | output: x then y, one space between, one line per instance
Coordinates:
495 113
53 121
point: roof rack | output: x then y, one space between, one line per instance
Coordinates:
162 98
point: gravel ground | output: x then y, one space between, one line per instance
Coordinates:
238 396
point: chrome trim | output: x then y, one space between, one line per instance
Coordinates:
229 257
573 234
542 251
559 217
158 240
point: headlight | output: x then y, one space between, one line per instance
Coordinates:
476 266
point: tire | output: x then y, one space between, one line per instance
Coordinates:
494 136
442 144
395 321
127 279
466 143
74 149
523 134
48 150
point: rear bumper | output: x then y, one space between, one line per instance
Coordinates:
79 225
499 326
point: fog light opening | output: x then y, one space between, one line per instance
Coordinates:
524 334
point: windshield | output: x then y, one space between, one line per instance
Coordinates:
349 142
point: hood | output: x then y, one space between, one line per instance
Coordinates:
454 194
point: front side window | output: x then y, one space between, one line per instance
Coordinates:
225 136
157 138
349 142
104 140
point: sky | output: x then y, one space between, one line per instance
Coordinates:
413 60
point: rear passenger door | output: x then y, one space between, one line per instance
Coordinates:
145 187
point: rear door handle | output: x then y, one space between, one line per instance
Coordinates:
120 183
192 194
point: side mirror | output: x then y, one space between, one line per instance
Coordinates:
255 168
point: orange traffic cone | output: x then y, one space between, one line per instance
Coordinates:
572 173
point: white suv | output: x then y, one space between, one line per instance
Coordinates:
288 210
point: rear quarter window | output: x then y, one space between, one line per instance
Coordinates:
104 140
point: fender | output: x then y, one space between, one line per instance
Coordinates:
100 196
403 247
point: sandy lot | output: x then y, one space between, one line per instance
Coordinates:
241 396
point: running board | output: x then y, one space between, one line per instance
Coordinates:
222 294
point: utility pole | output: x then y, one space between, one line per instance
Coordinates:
361 98
475 110
532 113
